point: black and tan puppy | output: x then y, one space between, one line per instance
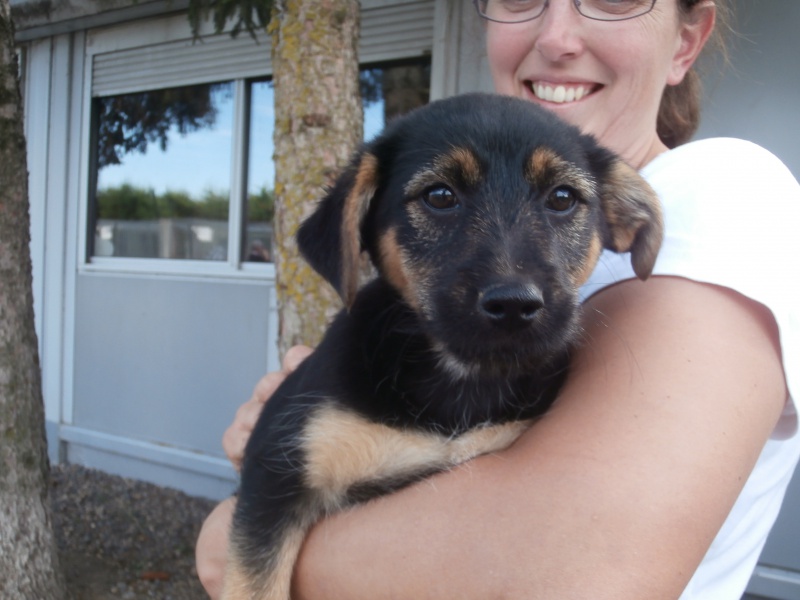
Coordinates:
483 216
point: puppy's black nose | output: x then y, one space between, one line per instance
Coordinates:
511 305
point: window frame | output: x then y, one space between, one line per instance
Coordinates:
158 33
238 171
166 34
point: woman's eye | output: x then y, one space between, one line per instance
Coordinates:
516 5
561 200
440 198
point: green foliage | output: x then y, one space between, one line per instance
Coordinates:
248 15
127 203
130 203
261 206
213 205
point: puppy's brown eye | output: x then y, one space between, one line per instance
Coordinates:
561 200
440 198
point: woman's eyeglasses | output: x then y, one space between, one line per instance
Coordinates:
519 11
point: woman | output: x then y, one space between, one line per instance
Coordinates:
661 467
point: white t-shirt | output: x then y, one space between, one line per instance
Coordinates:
731 213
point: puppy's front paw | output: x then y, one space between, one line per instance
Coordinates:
486 439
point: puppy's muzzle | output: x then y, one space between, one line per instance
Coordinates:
510 306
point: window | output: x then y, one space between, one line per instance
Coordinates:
185 173
163 173
259 209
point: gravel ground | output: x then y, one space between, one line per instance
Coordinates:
125 539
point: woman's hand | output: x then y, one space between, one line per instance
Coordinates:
211 551
235 437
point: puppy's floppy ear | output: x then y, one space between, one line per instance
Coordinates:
330 239
633 213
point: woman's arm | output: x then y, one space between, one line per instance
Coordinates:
211 550
616 493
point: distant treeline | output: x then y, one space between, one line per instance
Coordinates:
130 203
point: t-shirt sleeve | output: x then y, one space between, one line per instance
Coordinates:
731 215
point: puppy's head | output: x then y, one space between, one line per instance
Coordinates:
487 214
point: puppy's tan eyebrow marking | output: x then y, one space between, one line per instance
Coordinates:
546 169
459 165
421 181
462 163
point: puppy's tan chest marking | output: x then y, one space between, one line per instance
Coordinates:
344 449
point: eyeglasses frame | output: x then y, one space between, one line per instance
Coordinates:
546 4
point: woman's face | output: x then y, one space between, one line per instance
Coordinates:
605 77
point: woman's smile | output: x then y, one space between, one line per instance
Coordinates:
561 93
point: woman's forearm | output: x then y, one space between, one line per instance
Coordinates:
616 493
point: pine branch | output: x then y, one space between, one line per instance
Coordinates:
251 16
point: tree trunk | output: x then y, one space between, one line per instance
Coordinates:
28 557
318 124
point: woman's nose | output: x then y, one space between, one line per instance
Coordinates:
559 31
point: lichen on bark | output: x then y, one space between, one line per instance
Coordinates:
28 558
318 124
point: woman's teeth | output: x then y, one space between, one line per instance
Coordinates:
559 93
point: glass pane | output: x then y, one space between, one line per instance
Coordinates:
393 90
387 91
163 173
260 175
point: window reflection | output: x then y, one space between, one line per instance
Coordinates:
395 90
163 173
259 207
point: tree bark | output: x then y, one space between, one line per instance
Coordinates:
318 124
28 557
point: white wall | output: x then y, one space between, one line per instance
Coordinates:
757 97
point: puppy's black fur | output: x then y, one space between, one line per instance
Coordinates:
483 216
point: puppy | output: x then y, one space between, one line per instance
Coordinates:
483 215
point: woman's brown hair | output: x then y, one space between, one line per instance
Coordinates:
679 112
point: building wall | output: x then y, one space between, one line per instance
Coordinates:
756 95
